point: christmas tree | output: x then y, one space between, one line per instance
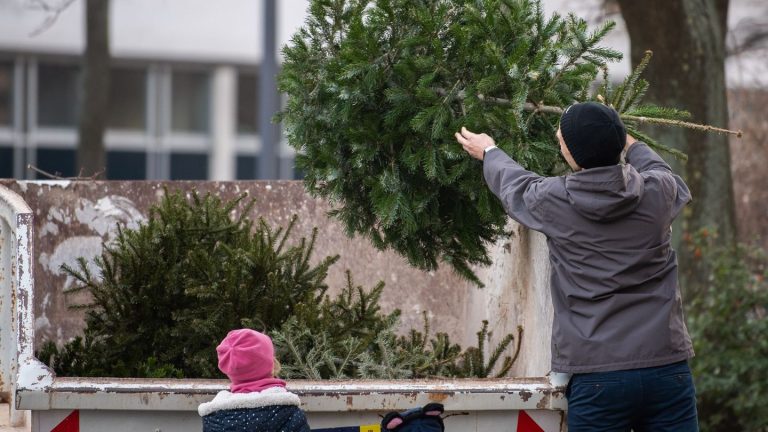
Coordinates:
164 294
378 88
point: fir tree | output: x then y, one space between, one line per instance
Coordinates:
349 337
166 293
377 89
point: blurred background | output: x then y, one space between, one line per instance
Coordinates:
181 88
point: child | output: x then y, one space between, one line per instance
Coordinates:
257 401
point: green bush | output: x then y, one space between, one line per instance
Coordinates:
729 325
167 292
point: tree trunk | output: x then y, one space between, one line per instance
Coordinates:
687 71
91 155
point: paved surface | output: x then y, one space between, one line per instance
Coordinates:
4 420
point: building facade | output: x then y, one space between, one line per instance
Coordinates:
184 92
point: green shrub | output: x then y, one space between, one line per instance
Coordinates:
729 325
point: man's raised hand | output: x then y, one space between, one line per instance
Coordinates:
474 144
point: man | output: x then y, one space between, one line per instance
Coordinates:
618 325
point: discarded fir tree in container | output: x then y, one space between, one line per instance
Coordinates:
167 292
164 295
378 88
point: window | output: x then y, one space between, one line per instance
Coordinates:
6 161
126 165
190 95
247 167
60 162
298 173
189 166
58 95
127 99
6 94
247 107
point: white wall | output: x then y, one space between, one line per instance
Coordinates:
192 30
228 30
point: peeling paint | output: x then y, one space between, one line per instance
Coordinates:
34 375
525 395
438 397
49 228
104 215
544 402
41 323
69 250
55 183
58 215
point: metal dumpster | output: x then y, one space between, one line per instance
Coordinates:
46 223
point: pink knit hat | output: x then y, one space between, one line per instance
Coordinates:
247 357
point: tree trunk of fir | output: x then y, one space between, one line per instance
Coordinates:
91 155
687 71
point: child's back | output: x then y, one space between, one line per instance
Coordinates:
257 401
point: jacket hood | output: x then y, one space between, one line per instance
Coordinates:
605 193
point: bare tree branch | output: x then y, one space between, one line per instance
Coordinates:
547 109
57 176
748 34
53 11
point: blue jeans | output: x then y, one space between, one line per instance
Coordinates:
653 399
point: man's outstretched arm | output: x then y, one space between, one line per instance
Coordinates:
645 160
518 189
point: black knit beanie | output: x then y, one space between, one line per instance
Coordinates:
593 133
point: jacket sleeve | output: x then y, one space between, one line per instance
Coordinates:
519 190
646 161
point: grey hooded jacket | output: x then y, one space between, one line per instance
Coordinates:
614 274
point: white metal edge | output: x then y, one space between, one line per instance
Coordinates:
29 372
316 396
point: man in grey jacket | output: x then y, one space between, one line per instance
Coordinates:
618 325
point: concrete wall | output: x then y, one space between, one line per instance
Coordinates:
72 219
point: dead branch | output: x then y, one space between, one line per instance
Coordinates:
547 109
53 11
56 176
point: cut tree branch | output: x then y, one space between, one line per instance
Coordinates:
547 109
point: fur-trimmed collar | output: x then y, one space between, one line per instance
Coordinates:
269 397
